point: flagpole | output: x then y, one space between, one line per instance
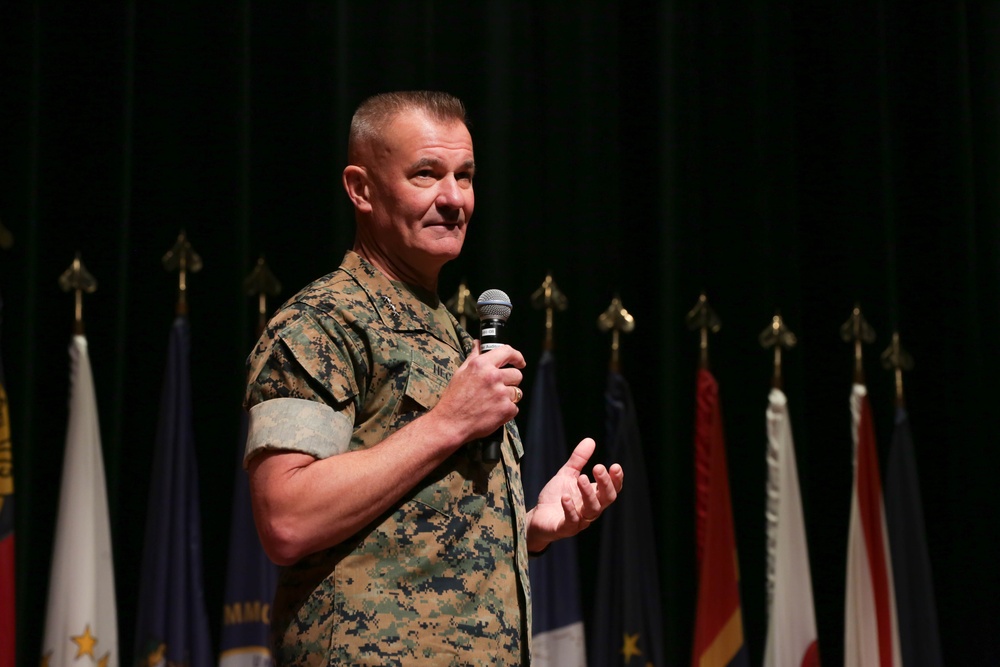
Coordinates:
896 359
462 305
777 336
183 259
617 320
261 283
856 330
78 280
703 319
551 298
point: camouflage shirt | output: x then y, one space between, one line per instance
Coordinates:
441 578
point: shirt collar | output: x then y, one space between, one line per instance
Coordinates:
397 306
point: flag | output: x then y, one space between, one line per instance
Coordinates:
791 631
628 617
911 566
718 634
871 637
172 624
250 581
81 623
557 634
7 625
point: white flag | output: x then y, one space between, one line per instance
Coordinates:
871 635
791 631
81 626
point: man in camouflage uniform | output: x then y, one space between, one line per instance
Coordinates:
400 546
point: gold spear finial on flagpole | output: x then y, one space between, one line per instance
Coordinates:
261 283
617 320
6 238
896 359
551 298
462 305
857 330
778 336
79 280
703 319
183 259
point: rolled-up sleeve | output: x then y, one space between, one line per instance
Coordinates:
297 425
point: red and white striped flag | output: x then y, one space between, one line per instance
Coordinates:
791 630
871 635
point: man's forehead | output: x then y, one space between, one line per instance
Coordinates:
413 129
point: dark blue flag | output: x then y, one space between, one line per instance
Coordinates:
916 612
172 624
557 615
250 582
627 624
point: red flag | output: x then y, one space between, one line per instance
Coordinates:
718 635
7 624
871 637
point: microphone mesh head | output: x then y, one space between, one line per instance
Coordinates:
493 305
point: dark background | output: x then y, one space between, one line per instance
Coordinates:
794 155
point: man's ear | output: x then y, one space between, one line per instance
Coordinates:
356 183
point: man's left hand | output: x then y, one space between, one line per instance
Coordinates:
570 502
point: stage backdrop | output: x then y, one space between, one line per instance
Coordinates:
781 155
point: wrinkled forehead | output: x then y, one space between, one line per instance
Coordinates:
413 133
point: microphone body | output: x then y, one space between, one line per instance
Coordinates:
494 308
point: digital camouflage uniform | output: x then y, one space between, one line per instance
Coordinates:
441 578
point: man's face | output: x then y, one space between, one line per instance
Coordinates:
422 198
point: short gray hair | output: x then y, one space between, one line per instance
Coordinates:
375 113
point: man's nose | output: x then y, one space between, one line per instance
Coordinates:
450 193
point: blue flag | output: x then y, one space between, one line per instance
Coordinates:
557 615
172 624
250 582
916 612
628 618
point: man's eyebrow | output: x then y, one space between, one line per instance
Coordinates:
425 162
468 165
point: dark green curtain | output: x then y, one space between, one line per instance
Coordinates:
781 155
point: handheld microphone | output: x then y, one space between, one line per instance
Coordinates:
494 308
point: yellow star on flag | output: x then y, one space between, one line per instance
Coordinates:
630 647
85 643
45 659
103 662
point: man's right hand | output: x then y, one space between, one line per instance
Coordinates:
480 397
